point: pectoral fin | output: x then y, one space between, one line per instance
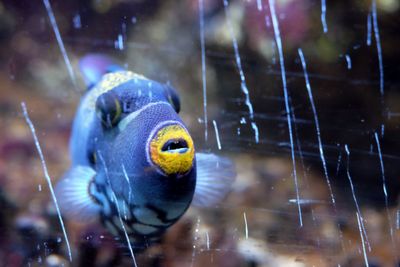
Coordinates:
215 176
73 195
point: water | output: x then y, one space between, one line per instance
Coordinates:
302 95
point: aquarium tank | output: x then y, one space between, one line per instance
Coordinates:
299 99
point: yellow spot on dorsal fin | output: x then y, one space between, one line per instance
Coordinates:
110 81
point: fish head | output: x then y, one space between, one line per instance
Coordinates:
149 156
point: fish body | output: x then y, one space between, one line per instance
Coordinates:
134 165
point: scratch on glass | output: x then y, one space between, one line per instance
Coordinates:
354 196
207 241
255 128
259 5
217 134
203 67
348 61
369 29
119 43
323 16
243 84
359 221
115 201
398 220
307 201
129 185
386 195
378 47
60 42
123 228
77 21
286 95
305 175
339 161
246 228
316 122
194 241
46 174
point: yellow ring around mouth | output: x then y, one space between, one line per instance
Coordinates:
172 162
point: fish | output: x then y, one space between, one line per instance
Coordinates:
134 166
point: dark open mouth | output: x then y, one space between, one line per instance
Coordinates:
175 146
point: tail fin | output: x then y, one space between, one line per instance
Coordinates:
94 66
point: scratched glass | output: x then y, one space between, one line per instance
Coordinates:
302 95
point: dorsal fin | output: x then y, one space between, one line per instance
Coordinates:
94 66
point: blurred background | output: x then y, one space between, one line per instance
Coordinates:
353 74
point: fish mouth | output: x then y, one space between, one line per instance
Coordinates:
175 146
171 149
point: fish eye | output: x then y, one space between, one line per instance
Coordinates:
92 158
108 109
174 103
172 98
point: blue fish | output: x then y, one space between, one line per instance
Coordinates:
134 165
